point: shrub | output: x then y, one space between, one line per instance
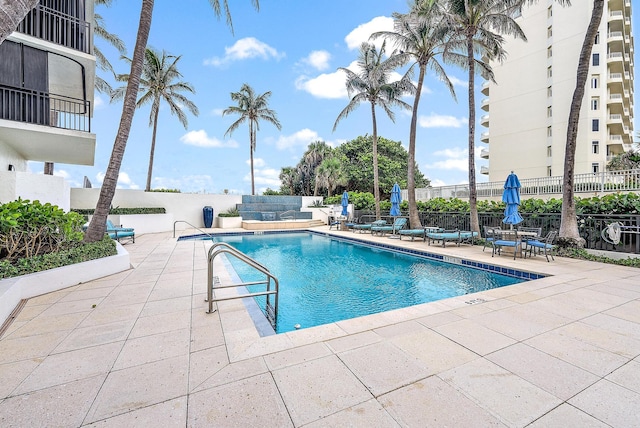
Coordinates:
123 211
231 212
79 252
165 190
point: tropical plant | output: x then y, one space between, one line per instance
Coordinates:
329 174
625 160
420 37
98 224
372 84
252 108
288 178
12 12
481 25
159 82
100 30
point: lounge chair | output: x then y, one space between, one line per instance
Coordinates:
444 236
413 233
398 224
468 237
506 238
118 233
368 226
545 244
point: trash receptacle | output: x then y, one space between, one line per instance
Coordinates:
207 214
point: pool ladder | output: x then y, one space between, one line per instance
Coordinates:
271 309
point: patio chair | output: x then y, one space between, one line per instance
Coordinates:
360 227
117 233
506 238
399 223
489 235
468 237
545 244
525 239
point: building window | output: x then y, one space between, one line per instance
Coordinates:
595 167
595 61
595 103
548 171
549 72
549 32
549 52
548 151
549 132
597 39
595 147
549 12
595 82
549 91
595 125
549 111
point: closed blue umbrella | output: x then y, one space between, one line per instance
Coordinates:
511 196
345 203
396 199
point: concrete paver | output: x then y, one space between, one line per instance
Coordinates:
560 351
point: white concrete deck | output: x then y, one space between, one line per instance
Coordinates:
138 349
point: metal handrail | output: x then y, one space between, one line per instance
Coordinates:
195 227
288 214
271 311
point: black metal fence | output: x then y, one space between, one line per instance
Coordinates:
61 24
589 225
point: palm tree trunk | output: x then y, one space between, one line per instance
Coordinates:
376 180
153 149
48 168
473 196
98 225
569 220
12 12
252 143
414 218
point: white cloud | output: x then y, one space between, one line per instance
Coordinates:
455 152
456 158
217 112
61 173
201 139
263 175
257 162
98 101
458 82
441 121
318 60
246 48
328 85
300 138
124 181
362 32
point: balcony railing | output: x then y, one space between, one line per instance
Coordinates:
43 108
56 27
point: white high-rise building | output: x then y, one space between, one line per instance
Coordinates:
528 107
47 74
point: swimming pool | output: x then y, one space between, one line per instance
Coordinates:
326 279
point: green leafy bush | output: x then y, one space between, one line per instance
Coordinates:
28 229
79 252
165 190
360 200
231 212
123 211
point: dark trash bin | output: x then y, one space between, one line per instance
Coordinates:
207 214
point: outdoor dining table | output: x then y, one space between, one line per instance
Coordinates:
510 234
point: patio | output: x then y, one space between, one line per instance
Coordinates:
138 349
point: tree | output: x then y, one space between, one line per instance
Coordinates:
356 156
99 30
312 158
481 24
158 83
569 220
252 108
329 174
12 12
372 85
420 37
98 224
288 177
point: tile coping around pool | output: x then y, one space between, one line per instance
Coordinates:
526 275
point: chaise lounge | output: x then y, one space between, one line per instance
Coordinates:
398 224
368 226
119 233
453 235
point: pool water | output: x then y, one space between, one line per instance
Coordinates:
324 280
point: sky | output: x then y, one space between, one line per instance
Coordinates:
292 48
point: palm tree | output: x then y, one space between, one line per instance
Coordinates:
99 30
329 174
252 108
288 177
420 37
98 224
313 157
12 12
158 83
372 85
481 24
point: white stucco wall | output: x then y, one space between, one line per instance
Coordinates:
44 188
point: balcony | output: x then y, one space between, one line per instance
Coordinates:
484 153
56 27
46 127
484 120
484 137
485 88
485 104
484 170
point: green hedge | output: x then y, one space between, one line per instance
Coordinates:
123 211
81 252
